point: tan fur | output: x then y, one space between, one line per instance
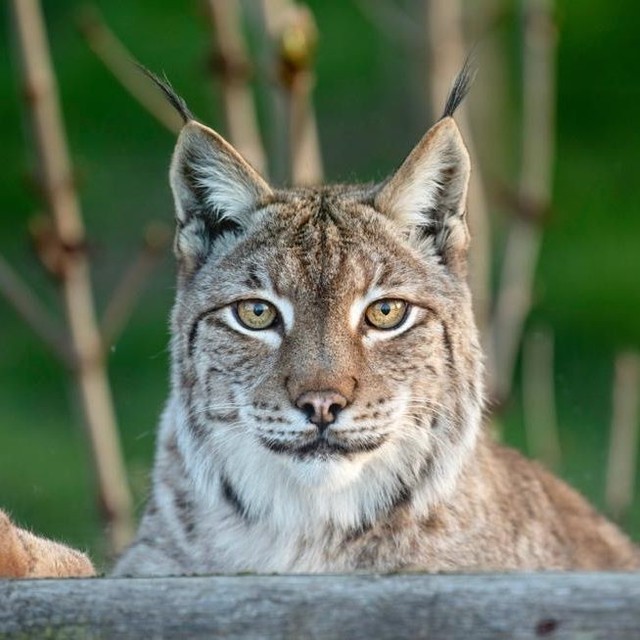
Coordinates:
508 514
399 473
23 555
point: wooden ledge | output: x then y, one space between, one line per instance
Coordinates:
451 607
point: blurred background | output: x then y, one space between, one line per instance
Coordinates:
552 119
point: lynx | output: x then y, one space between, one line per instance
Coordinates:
326 397
23 555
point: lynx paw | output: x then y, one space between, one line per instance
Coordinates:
23 555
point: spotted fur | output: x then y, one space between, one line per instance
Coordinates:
403 476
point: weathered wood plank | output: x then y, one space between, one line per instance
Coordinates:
519 606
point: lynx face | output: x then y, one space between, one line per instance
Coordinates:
323 338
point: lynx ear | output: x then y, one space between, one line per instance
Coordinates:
427 194
215 191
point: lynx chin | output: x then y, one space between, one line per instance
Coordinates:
326 397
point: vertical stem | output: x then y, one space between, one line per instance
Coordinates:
625 422
513 301
306 163
539 402
262 18
293 29
534 193
447 52
234 67
58 188
538 122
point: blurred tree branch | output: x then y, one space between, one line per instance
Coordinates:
123 299
89 367
294 35
447 52
122 65
231 62
391 21
625 423
517 277
18 293
538 398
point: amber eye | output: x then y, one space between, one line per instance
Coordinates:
386 314
256 314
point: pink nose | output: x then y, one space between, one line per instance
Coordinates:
321 407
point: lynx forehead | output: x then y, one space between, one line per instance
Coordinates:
326 401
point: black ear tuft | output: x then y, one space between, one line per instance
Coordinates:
174 99
461 86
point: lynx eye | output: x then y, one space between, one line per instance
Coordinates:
256 314
386 314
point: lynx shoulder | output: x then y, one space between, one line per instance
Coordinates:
24 555
327 384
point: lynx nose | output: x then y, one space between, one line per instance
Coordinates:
321 407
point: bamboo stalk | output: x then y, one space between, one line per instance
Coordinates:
625 423
122 65
539 403
42 104
234 67
447 52
535 184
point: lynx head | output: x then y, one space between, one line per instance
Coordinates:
325 358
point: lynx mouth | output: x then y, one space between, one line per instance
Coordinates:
323 447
